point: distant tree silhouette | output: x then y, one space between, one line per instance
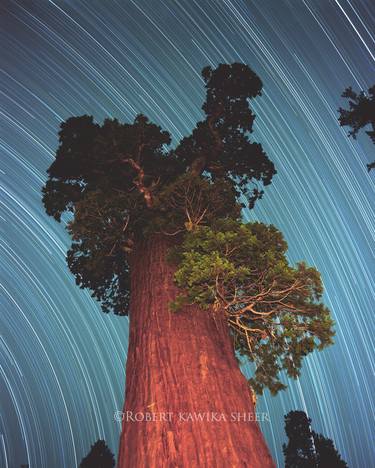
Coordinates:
306 448
361 113
327 454
99 456
300 451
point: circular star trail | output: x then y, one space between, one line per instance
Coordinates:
62 361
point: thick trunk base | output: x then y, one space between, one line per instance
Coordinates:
187 404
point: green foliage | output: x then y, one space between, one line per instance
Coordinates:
98 254
192 201
273 309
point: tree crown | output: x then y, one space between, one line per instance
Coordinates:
121 182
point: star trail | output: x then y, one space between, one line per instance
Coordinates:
62 361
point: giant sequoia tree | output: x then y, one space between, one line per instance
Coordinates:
157 234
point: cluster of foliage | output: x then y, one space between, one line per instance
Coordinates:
306 448
273 309
192 201
100 456
105 176
361 113
220 144
121 185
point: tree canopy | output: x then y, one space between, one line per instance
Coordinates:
115 178
361 113
121 184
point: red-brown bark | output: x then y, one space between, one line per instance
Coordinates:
182 363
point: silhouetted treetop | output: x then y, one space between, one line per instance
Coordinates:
306 448
361 113
99 456
326 453
300 451
220 145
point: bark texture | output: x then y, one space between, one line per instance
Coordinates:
182 372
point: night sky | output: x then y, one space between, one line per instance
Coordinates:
61 359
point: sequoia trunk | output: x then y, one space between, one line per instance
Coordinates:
187 404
